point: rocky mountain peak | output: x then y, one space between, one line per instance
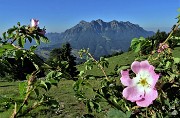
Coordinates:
102 38
83 22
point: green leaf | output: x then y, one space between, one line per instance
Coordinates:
43 85
104 62
114 113
176 60
44 39
36 92
29 38
11 36
97 107
81 73
2 51
123 68
89 64
64 64
33 48
138 47
23 40
37 41
89 105
139 44
4 35
53 82
168 64
142 39
77 85
19 53
48 84
7 46
102 58
11 30
19 41
98 98
134 42
53 75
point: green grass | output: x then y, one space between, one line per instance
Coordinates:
123 59
8 89
176 52
70 107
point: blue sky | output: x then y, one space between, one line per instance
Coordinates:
59 15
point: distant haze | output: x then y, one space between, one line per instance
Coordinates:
102 38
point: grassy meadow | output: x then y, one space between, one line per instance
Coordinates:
70 107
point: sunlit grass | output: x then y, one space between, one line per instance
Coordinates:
123 59
70 107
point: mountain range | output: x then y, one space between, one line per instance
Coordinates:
102 38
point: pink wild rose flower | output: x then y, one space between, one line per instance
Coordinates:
34 23
141 89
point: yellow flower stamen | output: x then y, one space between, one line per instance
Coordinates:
143 82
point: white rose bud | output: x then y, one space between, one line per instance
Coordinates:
34 23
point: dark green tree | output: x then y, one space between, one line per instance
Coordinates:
158 38
63 54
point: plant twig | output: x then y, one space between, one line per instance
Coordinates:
172 31
15 111
99 66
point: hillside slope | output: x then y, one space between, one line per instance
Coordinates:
124 59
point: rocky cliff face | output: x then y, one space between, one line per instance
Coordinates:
102 38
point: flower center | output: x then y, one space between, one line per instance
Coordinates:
143 82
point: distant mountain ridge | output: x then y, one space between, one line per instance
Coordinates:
102 38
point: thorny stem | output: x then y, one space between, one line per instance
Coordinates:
29 90
172 31
99 66
14 115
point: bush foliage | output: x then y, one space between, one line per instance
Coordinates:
41 76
